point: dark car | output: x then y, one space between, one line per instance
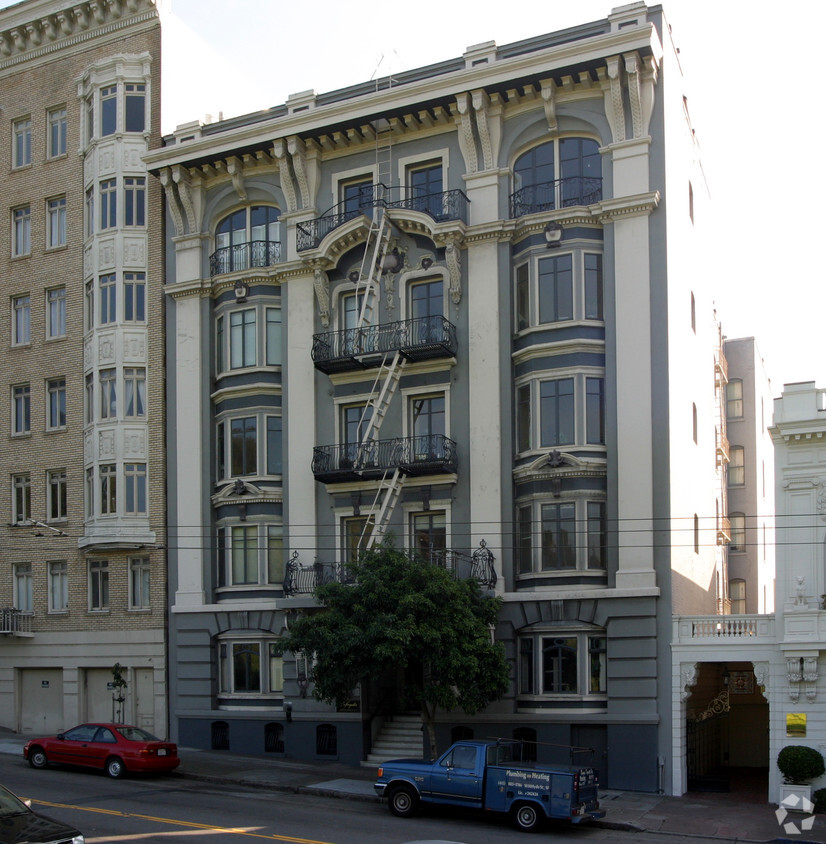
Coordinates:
114 748
19 823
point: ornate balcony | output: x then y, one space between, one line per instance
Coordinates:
422 455
479 566
244 256
548 196
447 205
701 629
424 338
15 623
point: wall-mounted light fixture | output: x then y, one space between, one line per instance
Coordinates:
553 234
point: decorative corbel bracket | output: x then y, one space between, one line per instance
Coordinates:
467 143
614 110
548 91
321 285
689 671
235 169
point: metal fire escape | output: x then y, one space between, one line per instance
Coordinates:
375 262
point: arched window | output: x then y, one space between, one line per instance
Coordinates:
247 238
557 174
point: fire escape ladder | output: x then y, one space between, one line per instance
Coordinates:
372 266
387 496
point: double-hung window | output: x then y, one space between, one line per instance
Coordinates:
556 288
56 389
244 445
23 587
21 498
556 412
737 466
274 445
58 586
21 243
273 317
593 285
57 495
98 585
242 337
108 298
134 477
426 188
108 110
56 231
244 555
139 583
56 312
134 201
134 106
108 393
22 140
595 411
57 128
134 392
134 297
22 412
108 204
108 489
22 314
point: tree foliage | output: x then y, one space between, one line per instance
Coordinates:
401 613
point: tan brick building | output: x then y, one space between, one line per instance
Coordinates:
82 475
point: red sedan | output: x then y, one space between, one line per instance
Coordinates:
114 748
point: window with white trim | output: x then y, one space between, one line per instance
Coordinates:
737 466
734 399
561 536
139 583
134 201
250 667
98 585
242 338
134 297
738 532
56 222
561 662
108 204
57 495
134 481
21 242
58 131
23 587
22 142
58 586
56 313
22 409
56 390
21 498
108 489
737 595
250 554
22 315
134 392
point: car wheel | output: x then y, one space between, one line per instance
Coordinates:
526 817
115 767
38 758
403 801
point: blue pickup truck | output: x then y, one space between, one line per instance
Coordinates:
487 775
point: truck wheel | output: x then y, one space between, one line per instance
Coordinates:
403 801
526 817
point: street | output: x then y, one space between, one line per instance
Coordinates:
171 808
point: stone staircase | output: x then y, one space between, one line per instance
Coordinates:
399 738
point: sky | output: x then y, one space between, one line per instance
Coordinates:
749 68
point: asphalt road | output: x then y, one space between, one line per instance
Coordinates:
172 809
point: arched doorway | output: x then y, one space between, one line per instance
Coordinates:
727 732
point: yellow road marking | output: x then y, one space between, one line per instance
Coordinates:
188 824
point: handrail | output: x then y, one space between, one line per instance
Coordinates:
244 256
562 193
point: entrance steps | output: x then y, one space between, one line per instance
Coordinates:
399 738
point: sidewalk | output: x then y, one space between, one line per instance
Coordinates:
719 817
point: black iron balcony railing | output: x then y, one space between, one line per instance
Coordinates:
423 338
479 566
244 256
423 455
563 193
447 205
13 622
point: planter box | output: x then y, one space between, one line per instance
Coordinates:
799 797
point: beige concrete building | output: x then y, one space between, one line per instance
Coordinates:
82 563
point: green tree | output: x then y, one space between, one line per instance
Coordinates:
401 613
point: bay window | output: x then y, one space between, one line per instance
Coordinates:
562 662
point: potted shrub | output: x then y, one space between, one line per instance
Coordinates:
799 765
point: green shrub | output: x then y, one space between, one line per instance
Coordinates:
819 799
799 763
